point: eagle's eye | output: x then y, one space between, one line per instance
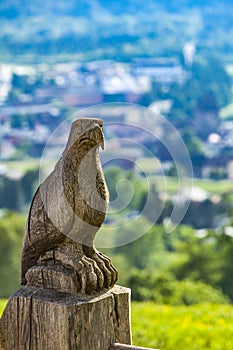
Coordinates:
83 140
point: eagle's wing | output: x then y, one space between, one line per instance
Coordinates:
49 221
30 252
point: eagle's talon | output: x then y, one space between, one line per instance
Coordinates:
91 277
108 271
108 263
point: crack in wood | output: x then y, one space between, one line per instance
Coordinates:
116 309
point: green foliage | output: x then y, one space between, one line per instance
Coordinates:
189 292
225 242
207 89
217 174
112 176
212 76
16 193
200 257
177 268
3 303
164 288
119 179
193 143
198 327
29 181
92 30
11 194
147 285
140 252
11 237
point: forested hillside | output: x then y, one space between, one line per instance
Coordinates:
119 30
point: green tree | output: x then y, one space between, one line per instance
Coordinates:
225 243
11 194
193 143
141 252
199 258
115 177
11 236
29 182
212 77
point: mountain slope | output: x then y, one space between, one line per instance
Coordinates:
99 29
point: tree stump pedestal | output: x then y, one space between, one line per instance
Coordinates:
44 319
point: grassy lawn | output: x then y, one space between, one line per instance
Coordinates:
21 165
2 305
205 327
215 187
200 327
218 187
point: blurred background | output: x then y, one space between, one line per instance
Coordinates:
170 57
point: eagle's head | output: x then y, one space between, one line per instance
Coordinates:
82 168
85 135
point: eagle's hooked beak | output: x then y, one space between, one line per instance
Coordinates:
97 134
102 140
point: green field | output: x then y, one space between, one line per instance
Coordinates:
200 327
2 305
21 165
214 187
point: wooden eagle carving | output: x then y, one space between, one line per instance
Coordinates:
68 209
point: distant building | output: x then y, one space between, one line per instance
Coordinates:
82 97
5 82
163 70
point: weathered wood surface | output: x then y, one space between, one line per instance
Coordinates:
39 319
55 277
2 338
118 346
66 212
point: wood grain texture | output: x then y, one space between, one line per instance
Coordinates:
66 212
40 319
55 277
2 337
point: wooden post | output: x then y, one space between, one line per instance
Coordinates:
118 346
37 319
2 338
